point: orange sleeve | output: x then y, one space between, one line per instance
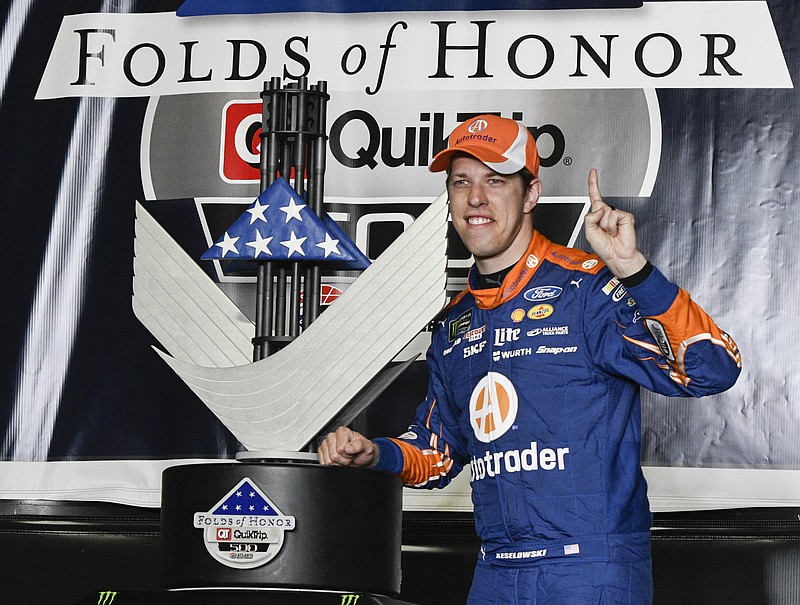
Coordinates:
421 466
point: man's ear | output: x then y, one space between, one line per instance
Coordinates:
532 196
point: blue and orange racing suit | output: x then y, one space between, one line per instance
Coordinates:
536 384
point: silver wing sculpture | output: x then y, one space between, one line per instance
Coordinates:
181 306
282 402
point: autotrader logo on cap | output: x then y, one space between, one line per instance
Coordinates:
478 126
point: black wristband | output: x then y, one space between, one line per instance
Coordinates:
637 278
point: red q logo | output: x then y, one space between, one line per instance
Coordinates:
241 142
223 534
477 126
493 407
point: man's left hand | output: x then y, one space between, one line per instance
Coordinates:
611 234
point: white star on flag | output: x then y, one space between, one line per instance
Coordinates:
330 245
228 244
260 244
294 244
257 212
293 210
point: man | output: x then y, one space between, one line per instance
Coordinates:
534 375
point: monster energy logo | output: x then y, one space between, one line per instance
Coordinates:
349 599
459 325
106 597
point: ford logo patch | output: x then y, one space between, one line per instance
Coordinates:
542 293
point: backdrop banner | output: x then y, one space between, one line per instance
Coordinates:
687 108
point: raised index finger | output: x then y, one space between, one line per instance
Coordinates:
594 191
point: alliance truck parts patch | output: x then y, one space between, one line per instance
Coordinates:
244 529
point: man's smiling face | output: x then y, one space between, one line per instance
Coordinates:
491 212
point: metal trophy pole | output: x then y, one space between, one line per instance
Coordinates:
293 145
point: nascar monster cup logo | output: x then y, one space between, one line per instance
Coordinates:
244 529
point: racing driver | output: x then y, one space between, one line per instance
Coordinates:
534 380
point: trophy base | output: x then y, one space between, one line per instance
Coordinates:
271 522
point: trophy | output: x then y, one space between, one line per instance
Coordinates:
275 519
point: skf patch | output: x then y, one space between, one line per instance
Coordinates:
459 325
